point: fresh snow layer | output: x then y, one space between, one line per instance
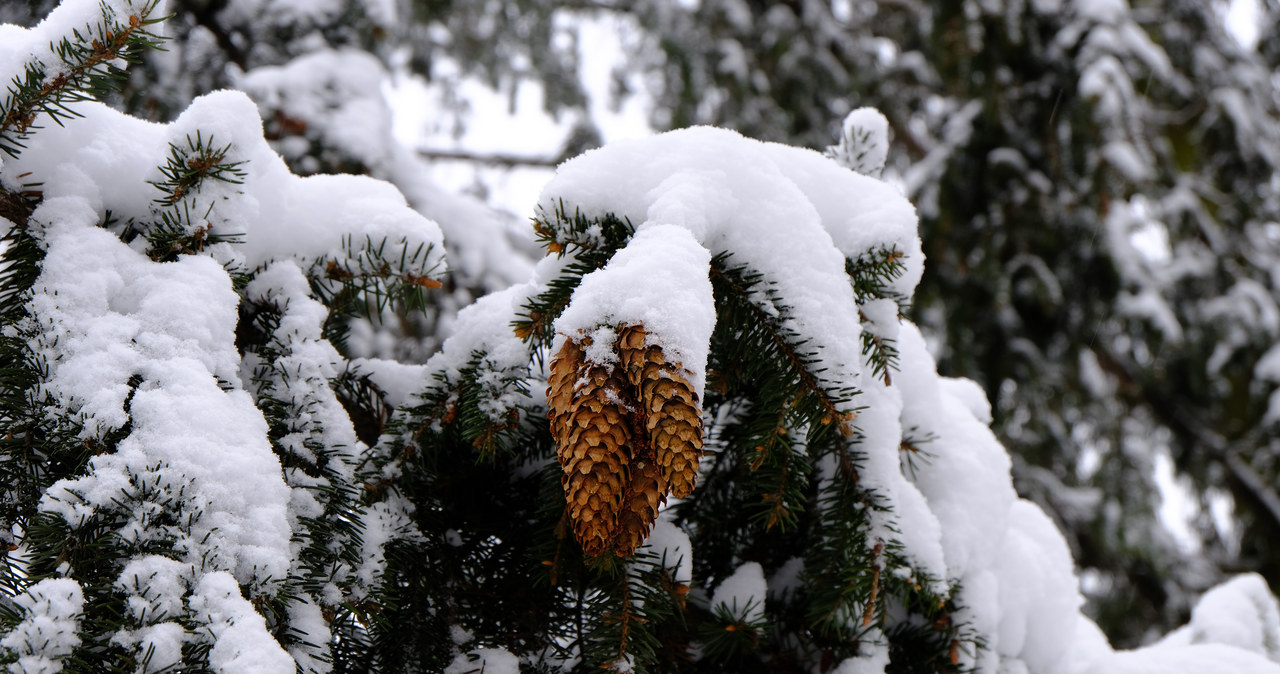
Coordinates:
49 630
147 350
670 545
241 642
659 281
110 313
742 593
107 159
486 660
864 142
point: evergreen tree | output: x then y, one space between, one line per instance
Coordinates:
744 458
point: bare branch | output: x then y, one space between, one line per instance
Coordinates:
505 160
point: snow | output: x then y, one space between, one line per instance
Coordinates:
109 313
670 545
1039 600
1205 659
274 213
485 327
875 662
154 587
337 94
1125 158
880 317
50 625
742 594
1241 613
658 281
864 142
399 382
241 643
300 374
486 660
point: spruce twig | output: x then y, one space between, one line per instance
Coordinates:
87 68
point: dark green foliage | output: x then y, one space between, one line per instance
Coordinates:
781 483
177 229
872 274
36 449
588 243
473 565
370 280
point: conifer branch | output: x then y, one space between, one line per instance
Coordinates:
372 278
589 243
734 285
86 69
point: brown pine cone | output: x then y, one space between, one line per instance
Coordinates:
593 440
645 494
564 372
669 406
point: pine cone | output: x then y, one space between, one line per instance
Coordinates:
565 369
673 418
619 456
592 443
646 493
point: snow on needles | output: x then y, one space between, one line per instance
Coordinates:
145 351
790 214
742 594
49 629
19 46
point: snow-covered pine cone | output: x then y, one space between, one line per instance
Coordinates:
624 436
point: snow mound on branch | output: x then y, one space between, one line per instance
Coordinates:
670 545
484 327
241 642
742 196
659 281
336 95
113 314
110 160
486 660
791 215
1240 612
742 594
863 146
